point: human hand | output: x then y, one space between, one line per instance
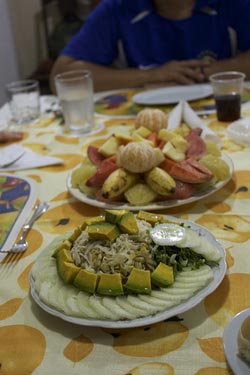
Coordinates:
181 72
10 136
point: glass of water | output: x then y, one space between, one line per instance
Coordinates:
24 100
75 92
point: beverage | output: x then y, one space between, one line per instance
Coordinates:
228 107
24 100
25 107
75 91
78 113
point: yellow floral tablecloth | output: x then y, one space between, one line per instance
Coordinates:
34 342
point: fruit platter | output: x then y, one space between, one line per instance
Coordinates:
122 269
150 167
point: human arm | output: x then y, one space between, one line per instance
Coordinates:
239 62
109 78
9 136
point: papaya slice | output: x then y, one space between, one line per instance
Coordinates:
103 171
94 155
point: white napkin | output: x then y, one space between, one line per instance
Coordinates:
183 112
239 131
28 159
8 155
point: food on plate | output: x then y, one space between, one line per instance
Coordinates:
160 181
139 157
151 118
118 182
140 194
189 170
243 340
165 164
216 165
133 265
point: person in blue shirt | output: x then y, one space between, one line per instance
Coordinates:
135 43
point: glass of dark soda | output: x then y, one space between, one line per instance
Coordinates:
227 89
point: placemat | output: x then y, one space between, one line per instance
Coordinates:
17 197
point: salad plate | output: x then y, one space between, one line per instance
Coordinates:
218 273
174 94
237 364
159 205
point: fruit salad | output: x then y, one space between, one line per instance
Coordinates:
150 164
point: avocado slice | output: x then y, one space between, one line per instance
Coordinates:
64 255
110 284
75 234
66 244
128 224
163 275
139 281
150 218
90 220
66 270
114 216
103 231
86 281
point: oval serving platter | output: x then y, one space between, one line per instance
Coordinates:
218 275
151 206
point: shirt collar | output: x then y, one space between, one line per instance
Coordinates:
141 8
142 5
200 4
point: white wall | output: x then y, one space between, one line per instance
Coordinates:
22 40
8 64
22 45
25 18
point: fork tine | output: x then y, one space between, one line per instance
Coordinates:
22 244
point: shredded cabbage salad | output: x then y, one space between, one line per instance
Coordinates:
128 251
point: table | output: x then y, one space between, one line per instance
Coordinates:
34 342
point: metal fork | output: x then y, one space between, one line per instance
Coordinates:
22 244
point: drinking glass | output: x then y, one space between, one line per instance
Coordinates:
75 92
24 100
228 88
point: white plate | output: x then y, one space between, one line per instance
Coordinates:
238 365
170 95
152 206
218 273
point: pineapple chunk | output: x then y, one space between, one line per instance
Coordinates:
138 138
80 176
180 143
170 151
166 135
123 138
142 131
176 139
110 147
140 195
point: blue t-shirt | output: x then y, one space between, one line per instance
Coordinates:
132 30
